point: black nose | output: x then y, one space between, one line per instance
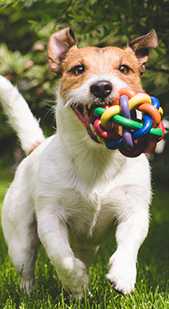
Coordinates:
101 89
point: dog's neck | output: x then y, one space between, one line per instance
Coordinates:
91 160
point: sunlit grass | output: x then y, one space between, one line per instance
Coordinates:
152 289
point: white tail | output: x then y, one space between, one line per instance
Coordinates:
20 116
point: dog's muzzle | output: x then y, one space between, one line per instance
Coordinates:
86 115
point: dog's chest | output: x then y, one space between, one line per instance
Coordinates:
83 194
88 213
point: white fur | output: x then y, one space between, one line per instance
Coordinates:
67 193
20 116
83 94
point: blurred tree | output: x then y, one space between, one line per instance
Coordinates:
26 26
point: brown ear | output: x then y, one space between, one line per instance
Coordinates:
58 46
142 45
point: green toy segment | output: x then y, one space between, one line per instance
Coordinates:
128 123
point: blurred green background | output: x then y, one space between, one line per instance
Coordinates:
25 27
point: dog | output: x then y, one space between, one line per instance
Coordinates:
69 190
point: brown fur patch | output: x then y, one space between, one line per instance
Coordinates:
99 61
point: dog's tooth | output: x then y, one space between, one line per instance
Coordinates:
91 128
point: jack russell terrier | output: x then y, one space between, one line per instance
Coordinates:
69 190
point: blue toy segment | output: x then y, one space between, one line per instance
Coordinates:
155 102
114 144
147 125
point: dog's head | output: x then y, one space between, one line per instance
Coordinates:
91 75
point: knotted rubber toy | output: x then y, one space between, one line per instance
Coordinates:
120 127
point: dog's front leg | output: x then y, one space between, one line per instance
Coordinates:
131 232
53 234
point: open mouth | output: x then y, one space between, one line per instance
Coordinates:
86 115
83 112
118 125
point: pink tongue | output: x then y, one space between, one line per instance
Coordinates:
82 118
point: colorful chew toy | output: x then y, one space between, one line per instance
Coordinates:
132 124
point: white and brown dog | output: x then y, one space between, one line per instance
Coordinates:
70 189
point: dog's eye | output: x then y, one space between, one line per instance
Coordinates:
125 69
77 69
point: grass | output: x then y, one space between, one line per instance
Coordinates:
152 289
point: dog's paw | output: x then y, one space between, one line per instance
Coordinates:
74 278
26 285
122 273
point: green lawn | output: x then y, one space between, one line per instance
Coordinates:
152 289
